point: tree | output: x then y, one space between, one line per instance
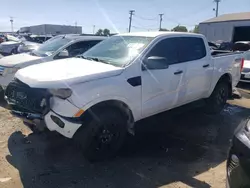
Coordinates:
103 32
163 29
99 32
106 32
180 28
196 29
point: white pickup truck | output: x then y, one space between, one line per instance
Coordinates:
97 98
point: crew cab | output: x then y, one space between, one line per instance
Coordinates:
97 97
59 47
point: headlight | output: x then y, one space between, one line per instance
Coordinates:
10 70
247 127
61 93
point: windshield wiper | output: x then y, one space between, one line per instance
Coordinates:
94 59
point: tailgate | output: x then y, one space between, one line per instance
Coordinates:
236 69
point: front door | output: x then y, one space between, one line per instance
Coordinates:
160 87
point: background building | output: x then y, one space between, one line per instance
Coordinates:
46 29
227 27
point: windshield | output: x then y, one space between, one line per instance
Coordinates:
247 55
48 48
118 50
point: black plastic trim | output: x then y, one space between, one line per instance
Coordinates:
134 81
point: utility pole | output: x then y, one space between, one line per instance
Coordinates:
11 23
160 21
93 29
76 27
131 13
217 7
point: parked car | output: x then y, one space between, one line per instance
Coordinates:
10 45
97 97
238 163
62 47
27 46
2 38
245 74
27 43
241 46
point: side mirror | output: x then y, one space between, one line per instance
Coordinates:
63 54
155 62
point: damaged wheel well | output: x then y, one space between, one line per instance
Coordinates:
116 105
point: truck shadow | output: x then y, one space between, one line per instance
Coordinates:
167 148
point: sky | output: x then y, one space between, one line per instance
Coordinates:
114 14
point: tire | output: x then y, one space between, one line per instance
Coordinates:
102 135
14 51
217 100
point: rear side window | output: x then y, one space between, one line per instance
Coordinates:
191 48
81 47
167 48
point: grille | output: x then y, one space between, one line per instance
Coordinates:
23 98
242 77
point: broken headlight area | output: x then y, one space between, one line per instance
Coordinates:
23 98
63 93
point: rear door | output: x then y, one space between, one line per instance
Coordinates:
199 69
160 87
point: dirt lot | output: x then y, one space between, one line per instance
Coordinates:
175 149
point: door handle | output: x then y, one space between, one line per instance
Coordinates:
178 72
205 66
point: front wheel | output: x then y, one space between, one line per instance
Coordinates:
103 135
218 99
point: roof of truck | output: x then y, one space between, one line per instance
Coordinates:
157 33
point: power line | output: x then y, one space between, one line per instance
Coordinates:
142 25
160 21
143 18
131 13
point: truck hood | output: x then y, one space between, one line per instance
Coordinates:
15 60
9 43
66 72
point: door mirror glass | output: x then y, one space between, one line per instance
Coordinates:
155 62
63 54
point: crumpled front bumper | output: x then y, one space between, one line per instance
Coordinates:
65 125
37 106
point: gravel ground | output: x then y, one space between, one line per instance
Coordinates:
182 148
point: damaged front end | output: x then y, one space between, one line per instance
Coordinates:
29 104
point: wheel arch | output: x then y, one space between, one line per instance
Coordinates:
117 105
227 77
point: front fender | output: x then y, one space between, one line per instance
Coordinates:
88 94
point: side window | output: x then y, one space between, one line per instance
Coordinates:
80 47
166 48
191 48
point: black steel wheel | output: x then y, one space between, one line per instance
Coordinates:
218 99
103 135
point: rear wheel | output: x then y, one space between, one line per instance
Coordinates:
103 134
218 99
14 51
